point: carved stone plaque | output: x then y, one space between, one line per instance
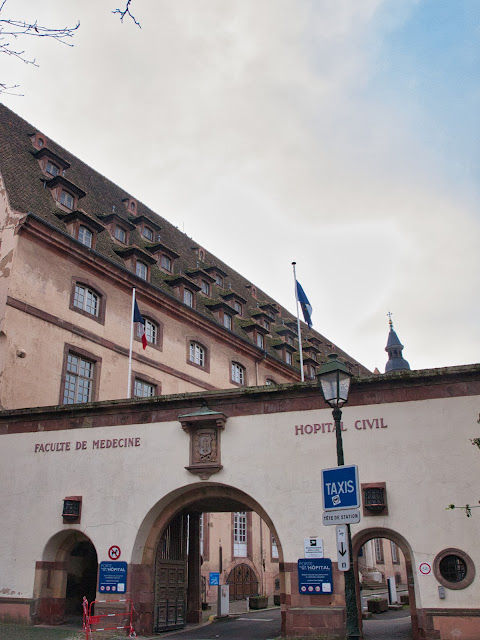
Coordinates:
204 427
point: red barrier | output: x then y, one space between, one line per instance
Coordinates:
116 621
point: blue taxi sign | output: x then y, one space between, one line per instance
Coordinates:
340 489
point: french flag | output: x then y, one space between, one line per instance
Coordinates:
137 317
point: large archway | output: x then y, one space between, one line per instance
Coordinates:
151 556
361 539
67 572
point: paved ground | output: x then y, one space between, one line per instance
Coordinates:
393 625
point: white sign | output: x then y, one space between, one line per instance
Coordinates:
343 554
425 569
313 547
347 516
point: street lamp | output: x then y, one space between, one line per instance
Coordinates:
334 378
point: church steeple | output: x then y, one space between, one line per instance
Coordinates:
394 348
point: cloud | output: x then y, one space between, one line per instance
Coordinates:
260 128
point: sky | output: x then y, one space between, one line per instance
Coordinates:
342 135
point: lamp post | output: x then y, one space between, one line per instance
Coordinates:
334 378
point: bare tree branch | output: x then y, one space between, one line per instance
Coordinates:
11 30
126 12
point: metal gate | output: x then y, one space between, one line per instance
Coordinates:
243 582
171 577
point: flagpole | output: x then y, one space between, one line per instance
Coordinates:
129 385
298 323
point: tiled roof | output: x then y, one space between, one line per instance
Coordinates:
24 182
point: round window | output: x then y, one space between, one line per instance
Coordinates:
454 569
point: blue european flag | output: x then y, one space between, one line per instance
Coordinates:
305 304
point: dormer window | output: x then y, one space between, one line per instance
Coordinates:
260 341
67 199
85 236
289 340
288 357
205 287
120 234
147 233
219 280
166 263
141 270
130 205
40 143
238 307
51 169
81 226
188 297
227 320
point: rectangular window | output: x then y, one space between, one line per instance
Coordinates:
238 307
151 331
67 199
197 354
188 297
141 270
238 373
143 389
240 534
219 280
290 340
395 558
378 543
260 340
288 357
274 549
121 234
205 288
85 236
86 299
147 233
166 263
201 533
79 380
227 320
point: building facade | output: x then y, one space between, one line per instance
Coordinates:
135 476
73 248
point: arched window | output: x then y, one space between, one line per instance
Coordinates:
196 354
238 373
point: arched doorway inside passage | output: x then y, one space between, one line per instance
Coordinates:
67 571
360 539
157 554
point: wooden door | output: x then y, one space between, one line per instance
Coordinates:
243 582
171 577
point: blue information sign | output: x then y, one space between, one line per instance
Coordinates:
112 577
340 488
315 576
214 578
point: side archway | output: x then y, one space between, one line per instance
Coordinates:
67 572
379 532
